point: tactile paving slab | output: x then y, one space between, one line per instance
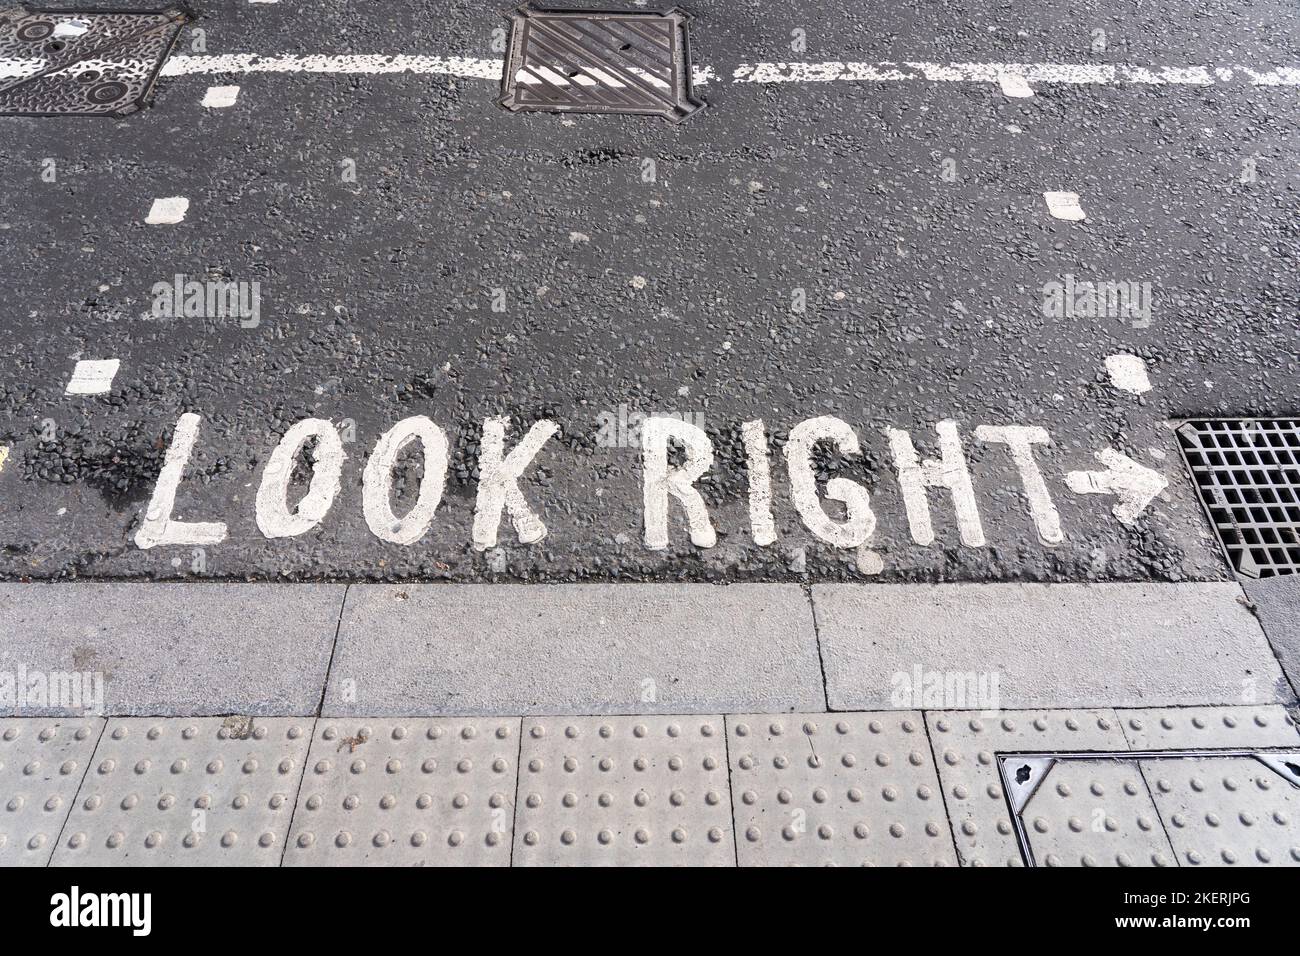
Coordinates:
623 791
964 745
1185 728
836 789
42 761
408 792
187 791
1227 811
1094 813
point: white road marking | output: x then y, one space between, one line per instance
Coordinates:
1064 205
4 456
1128 373
219 97
1014 86
1020 440
1135 485
1073 74
168 211
377 481
761 523
158 528
92 377
948 472
660 480
498 484
860 521
274 517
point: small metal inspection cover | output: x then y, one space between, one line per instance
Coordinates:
1247 473
83 62
599 61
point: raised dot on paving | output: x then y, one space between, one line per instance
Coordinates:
624 791
838 789
92 377
42 760
436 792
187 791
167 211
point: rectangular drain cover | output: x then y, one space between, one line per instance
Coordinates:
593 61
83 63
1247 472
1154 807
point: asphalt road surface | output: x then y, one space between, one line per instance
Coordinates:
863 224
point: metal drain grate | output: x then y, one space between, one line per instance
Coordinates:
83 63
592 61
1247 472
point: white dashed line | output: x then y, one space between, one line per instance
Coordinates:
92 377
1064 205
168 211
219 97
1128 373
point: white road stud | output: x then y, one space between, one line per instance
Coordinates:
1064 205
219 97
1128 373
167 211
92 377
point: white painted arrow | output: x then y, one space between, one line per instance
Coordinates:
1135 485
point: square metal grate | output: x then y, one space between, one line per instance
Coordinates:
593 61
1247 472
83 63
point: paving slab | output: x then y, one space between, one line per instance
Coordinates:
177 648
965 745
1277 604
187 792
624 791
1187 728
574 649
42 762
408 792
1035 645
836 789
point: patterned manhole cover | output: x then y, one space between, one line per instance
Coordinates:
83 63
1247 473
593 61
1154 807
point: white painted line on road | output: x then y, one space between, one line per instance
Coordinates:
168 211
92 377
1014 86
219 97
1128 373
1074 74
4 456
1064 205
